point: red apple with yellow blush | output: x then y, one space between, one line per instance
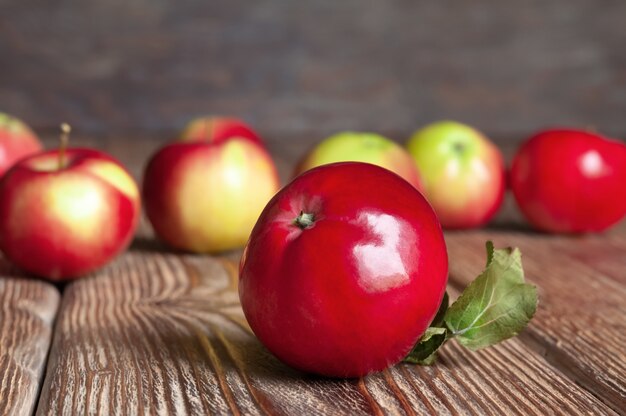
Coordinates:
217 128
206 195
16 141
66 212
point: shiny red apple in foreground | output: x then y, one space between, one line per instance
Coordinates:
16 141
344 270
62 216
570 181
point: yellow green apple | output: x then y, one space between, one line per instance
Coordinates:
462 171
370 148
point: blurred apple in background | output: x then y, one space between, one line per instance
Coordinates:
205 196
569 180
363 147
16 141
216 129
66 212
463 173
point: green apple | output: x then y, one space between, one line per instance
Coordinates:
363 147
462 172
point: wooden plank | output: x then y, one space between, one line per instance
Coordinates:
580 326
27 311
158 333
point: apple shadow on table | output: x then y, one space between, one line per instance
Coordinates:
520 228
261 365
149 244
152 245
499 227
10 271
241 355
509 225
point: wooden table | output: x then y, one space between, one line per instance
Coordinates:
159 332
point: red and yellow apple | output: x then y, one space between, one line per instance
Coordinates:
65 215
363 147
17 140
205 196
216 129
463 173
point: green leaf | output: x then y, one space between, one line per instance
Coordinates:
424 352
495 306
441 312
490 250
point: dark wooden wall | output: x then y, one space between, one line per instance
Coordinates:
296 68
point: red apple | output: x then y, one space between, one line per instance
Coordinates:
16 141
217 129
570 181
462 171
363 147
63 219
340 276
205 196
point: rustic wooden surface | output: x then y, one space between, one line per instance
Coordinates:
164 332
297 68
27 311
159 332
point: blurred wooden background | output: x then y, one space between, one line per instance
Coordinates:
297 69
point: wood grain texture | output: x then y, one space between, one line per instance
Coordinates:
300 68
163 333
27 311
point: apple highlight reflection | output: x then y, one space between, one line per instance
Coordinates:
381 266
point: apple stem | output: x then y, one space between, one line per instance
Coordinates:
459 147
304 220
66 129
